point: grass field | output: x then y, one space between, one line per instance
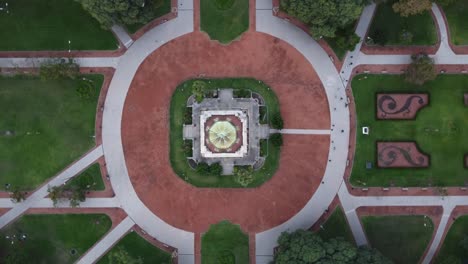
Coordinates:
224 243
50 126
447 147
452 248
49 25
138 248
164 9
52 238
90 177
456 14
391 25
336 226
224 20
403 239
177 156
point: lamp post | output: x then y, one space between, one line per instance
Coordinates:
69 46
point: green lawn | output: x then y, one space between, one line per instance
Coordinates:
50 126
138 248
52 238
452 248
225 243
177 155
48 25
456 14
224 20
403 239
90 177
391 25
447 147
164 9
336 226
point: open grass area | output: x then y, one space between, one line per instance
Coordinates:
177 155
403 239
224 20
388 26
164 9
445 114
454 245
224 243
138 248
45 126
90 177
51 238
336 226
456 14
49 25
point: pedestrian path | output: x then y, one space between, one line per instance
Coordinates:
60 179
301 131
36 62
110 239
339 115
111 133
122 35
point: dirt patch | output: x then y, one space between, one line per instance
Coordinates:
400 155
400 106
303 105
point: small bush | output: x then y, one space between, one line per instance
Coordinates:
59 69
188 148
276 139
198 90
188 116
244 175
85 89
277 121
215 169
242 93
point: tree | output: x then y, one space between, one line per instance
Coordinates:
276 139
411 7
277 121
55 194
124 12
421 69
17 195
121 256
306 247
324 17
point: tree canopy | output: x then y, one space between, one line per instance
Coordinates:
306 247
411 7
124 12
324 17
421 69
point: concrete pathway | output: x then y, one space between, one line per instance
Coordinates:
339 114
122 35
301 131
111 133
110 239
60 179
36 62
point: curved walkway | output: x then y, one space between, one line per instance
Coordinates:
111 134
339 115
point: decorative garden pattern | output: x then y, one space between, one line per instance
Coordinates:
400 106
400 155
